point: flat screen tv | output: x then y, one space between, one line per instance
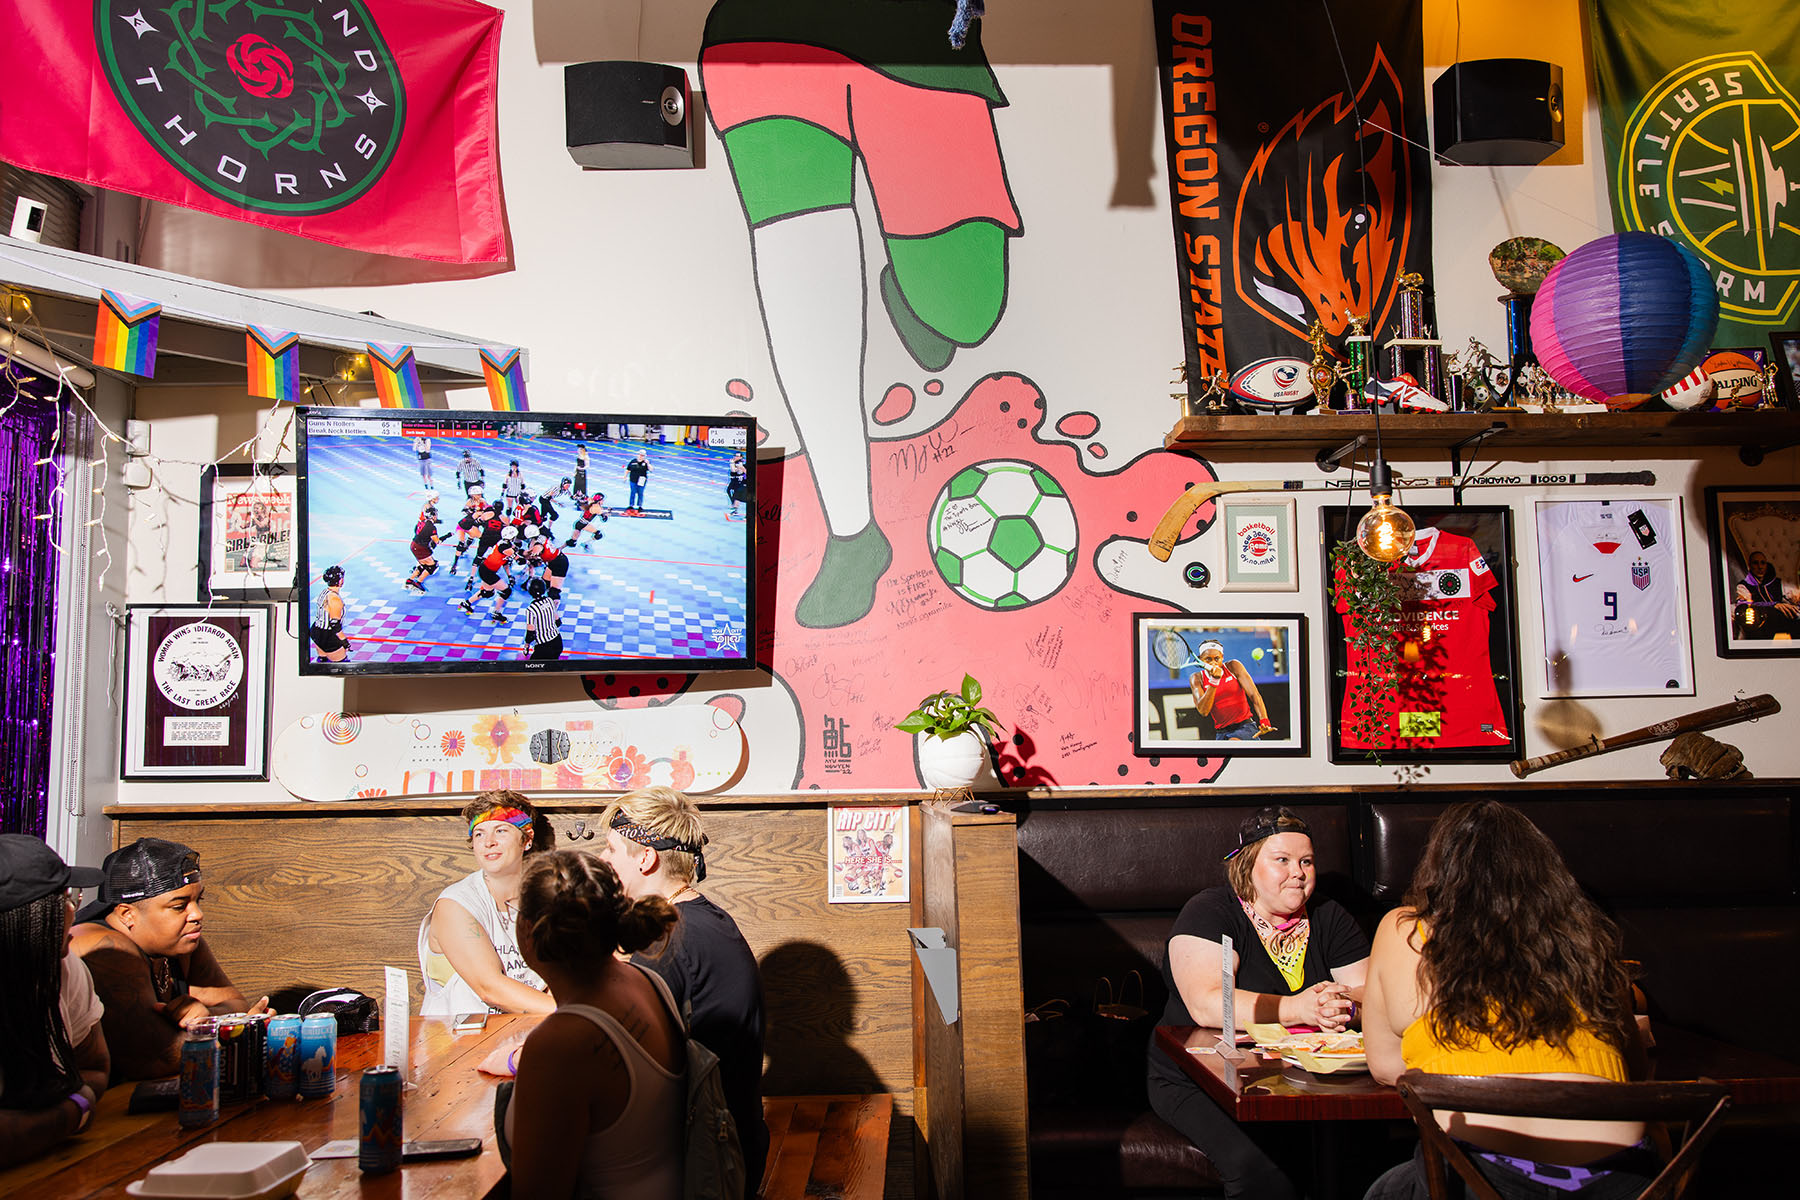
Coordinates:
444 541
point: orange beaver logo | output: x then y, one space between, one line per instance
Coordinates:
1309 240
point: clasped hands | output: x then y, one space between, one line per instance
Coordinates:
1326 1005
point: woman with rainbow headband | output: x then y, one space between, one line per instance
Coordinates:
468 947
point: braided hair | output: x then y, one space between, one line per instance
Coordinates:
579 914
35 1053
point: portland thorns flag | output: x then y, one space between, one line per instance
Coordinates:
1295 192
1700 115
360 123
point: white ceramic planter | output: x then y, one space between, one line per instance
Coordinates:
946 763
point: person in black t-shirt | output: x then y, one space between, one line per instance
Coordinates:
1297 962
655 842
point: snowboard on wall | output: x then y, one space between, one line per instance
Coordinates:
695 748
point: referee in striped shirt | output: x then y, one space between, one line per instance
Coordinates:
543 623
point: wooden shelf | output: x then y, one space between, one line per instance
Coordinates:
1756 432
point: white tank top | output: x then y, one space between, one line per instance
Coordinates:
641 1155
446 994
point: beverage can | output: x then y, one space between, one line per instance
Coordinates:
198 1094
318 1055
281 1057
380 1123
240 1058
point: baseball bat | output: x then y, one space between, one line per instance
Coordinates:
1764 705
1168 529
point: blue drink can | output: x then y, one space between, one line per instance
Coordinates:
318 1055
380 1124
281 1057
199 1089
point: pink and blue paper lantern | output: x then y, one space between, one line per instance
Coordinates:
1623 317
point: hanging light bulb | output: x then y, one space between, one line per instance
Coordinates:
1385 533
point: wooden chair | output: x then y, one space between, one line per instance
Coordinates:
1697 1104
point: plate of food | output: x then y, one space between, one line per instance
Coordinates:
1315 1051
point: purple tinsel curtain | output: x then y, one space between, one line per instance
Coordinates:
28 617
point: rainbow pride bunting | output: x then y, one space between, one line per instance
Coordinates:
396 376
272 363
504 370
125 333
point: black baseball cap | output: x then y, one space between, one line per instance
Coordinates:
148 867
31 870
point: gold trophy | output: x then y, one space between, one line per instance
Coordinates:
1322 375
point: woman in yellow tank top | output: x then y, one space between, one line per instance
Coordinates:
1498 964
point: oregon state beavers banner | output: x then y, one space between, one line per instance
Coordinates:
1288 208
1702 134
368 125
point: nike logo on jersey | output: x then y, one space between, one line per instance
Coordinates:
1579 578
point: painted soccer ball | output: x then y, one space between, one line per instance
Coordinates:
1002 534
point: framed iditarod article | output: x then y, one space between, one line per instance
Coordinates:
1259 544
196 692
247 532
1423 660
1754 536
1219 685
1786 357
1613 577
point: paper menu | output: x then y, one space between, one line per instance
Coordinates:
1227 994
396 1019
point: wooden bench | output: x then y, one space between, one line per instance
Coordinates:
826 1147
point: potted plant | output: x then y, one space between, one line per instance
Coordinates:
947 729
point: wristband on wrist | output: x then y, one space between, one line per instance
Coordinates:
87 1110
512 1063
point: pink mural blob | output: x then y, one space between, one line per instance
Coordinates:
934 387
1078 425
896 404
739 389
1097 449
731 704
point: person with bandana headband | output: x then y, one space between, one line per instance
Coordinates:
1295 960
152 968
468 944
1224 691
655 842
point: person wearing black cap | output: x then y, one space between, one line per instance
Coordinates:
156 974
53 1055
1295 962
655 842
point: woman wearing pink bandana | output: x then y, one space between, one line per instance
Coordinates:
468 946
1296 960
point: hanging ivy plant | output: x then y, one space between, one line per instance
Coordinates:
1370 590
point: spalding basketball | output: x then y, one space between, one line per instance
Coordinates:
1734 375
1693 390
1272 383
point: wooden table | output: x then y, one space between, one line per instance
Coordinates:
826 1147
451 1099
1253 1088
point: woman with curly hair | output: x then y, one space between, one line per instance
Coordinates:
1498 964
600 1105
468 951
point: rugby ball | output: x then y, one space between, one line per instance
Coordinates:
1735 375
1693 390
1272 383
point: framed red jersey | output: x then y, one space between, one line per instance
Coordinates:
1455 688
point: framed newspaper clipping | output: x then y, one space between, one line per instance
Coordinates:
247 532
196 692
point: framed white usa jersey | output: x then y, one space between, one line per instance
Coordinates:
1614 580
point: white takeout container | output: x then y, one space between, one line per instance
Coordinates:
228 1171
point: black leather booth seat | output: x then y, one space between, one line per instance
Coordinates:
1704 881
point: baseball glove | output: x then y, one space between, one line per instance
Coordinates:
1696 756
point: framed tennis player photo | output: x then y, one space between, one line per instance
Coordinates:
1754 536
247 532
1612 575
1219 685
196 692
1432 674
1259 544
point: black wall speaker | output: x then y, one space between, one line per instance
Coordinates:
1498 112
627 114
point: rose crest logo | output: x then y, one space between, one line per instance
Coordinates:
274 105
